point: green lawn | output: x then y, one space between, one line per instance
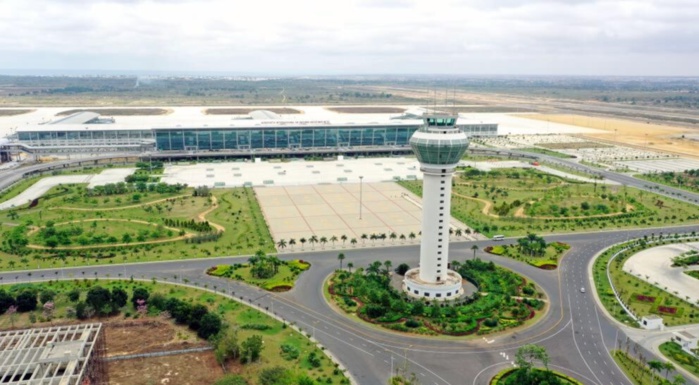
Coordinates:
673 179
642 297
516 201
674 353
283 280
233 313
637 372
693 273
548 261
237 212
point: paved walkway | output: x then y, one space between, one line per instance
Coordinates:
655 267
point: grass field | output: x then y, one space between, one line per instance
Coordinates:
367 110
25 183
516 202
693 274
235 212
283 280
639 373
673 179
544 151
642 297
548 261
234 314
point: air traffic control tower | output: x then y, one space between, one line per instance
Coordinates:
438 145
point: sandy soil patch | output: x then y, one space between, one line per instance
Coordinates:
631 133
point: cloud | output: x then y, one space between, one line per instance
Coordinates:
362 36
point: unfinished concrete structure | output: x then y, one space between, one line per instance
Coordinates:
60 355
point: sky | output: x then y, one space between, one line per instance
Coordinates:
335 37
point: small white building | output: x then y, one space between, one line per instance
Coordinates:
652 322
687 340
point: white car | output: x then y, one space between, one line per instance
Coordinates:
582 289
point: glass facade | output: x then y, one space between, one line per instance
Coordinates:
281 138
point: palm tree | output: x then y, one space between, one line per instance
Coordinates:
333 239
292 242
374 268
364 237
402 238
281 244
678 380
303 242
387 265
393 237
655 366
411 236
313 239
354 242
341 257
323 241
458 232
373 239
474 248
350 265
668 366
344 239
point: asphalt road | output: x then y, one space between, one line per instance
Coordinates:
576 333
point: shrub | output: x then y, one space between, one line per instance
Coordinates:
402 269
411 323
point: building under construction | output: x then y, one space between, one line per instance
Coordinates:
60 355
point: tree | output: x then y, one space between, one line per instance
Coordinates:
341 257
350 265
354 242
6 300
655 366
140 293
292 242
678 380
527 354
343 238
411 236
26 301
210 325
227 347
119 298
251 348
668 367
100 300
402 269
74 295
281 244
387 267
474 248
46 296
275 376
323 241
303 242
333 239
313 240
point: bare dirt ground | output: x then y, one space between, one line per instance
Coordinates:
147 336
121 111
366 110
632 133
154 335
184 369
15 112
244 111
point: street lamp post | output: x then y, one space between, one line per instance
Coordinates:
360 196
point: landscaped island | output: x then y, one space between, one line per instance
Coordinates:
265 271
534 250
504 300
517 202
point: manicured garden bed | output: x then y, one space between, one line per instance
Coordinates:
532 250
504 300
506 377
281 276
674 353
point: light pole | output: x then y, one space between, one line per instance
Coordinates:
360 196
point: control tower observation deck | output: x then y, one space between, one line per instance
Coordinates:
439 146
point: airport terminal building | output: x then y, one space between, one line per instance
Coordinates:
88 132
